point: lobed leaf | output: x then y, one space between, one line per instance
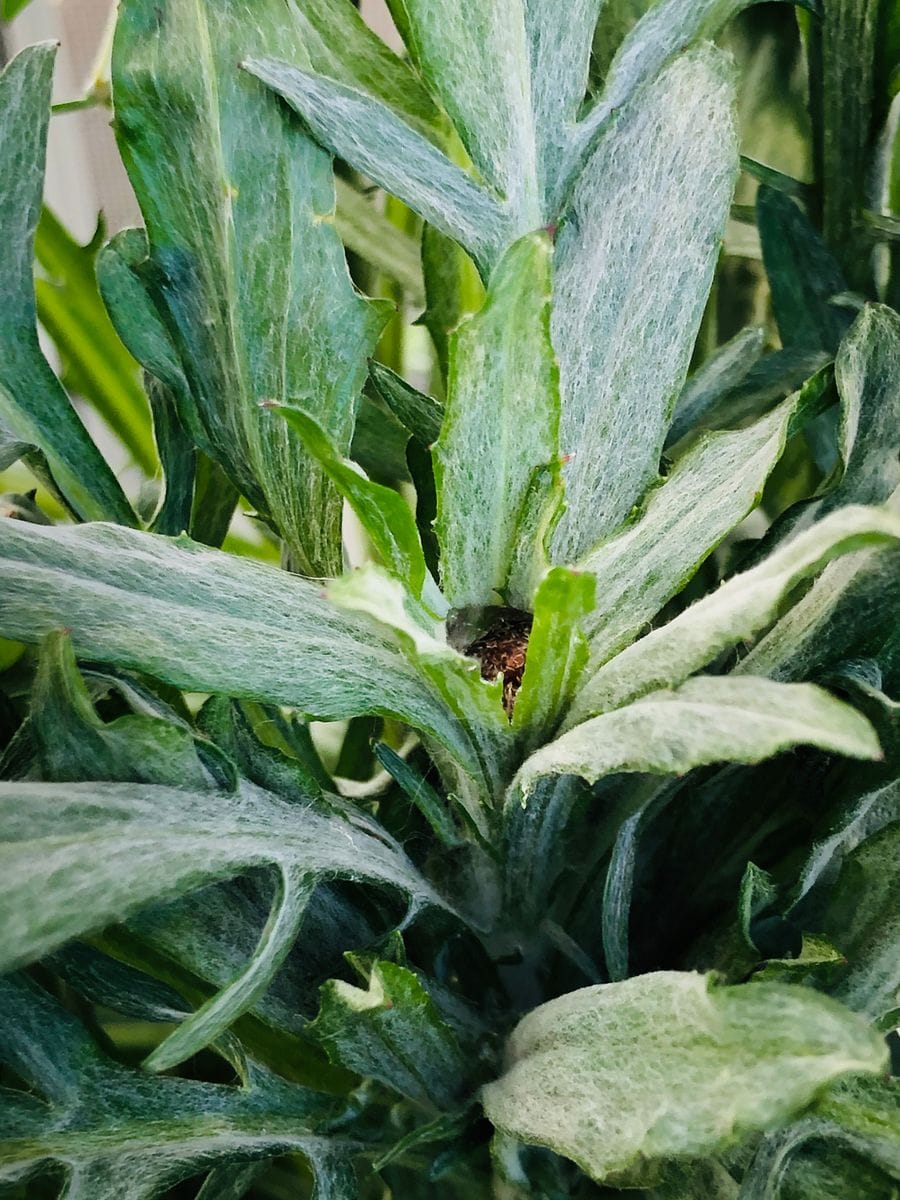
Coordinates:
33 406
726 1061
245 267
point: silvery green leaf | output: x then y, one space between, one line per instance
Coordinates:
708 719
383 512
375 140
77 856
211 622
366 231
94 1120
500 426
737 611
709 491
392 1031
725 368
626 309
849 612
512 76
727 1062
34 409
246 269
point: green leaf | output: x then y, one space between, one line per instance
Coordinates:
867 372
843 76
95 1116
376 141
422 794
803 275
864 923
453 290
368 233
210 622
723 370
849 612
33 406
473 704
741 608
77 856
626 309
557 653
246 268
294 888
500 425
512 76
706 720
383 513
732 1061
73 743
96 364
711 489
419 413
392 1031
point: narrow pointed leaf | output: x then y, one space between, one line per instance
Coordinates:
420 414
626 310
383 513
706 720
367 232
246 268
734 613
77 856
721 372
33 406
209 622
95 1124
733 1061
376 141
295 886
710 491
500 425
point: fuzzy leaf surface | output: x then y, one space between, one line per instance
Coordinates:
77 856
626 310
739 609
708 719
246 268
725 1062
93 1115
33 406
501 424
210 622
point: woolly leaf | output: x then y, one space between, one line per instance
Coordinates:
246 269
706 720
374 139
736 612
710 490
77 856
210 622
618 286
725 368
500 425
93 1119
33 406
731 1061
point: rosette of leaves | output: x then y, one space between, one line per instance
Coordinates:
613 906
